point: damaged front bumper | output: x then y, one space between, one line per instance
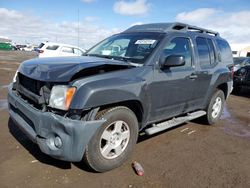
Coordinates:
61 138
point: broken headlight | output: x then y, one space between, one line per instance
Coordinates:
61 97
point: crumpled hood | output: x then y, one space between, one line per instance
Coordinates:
62 69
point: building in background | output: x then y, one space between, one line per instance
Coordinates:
240 50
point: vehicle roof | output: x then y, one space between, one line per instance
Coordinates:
170 27
61 44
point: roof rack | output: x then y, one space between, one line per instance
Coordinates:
186 27
166 27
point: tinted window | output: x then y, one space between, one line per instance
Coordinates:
179 46
225 49
203 51
52 47
67 49
211 51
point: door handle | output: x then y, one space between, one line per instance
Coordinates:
193 76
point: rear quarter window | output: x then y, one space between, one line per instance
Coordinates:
225 50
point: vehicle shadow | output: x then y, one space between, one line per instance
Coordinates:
36 152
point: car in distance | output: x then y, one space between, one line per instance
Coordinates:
148 78
241 79
50 49
240 62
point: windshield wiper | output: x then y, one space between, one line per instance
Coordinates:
119 58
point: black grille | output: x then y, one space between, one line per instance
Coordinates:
30 84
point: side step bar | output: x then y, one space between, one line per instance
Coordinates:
173 122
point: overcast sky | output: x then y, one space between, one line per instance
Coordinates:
57 20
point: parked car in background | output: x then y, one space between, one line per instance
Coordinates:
20 46
240 62
242 79
28 48
51 49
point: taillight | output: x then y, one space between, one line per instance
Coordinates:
40 51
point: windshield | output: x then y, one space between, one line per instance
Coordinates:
133 47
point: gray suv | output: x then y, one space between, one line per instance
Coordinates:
148 78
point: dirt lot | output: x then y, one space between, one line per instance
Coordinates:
191 155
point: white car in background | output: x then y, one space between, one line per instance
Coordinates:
51 49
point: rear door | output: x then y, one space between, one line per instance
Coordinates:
205 62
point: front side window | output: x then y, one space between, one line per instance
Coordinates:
66 49
203 51
78 52
133 47
179 46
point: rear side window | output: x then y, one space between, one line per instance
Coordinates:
211 51
203 51
67 50
52 47
225 49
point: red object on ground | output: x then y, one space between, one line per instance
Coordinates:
138 168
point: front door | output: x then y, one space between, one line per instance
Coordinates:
173 87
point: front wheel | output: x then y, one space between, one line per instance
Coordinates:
215 107
113 142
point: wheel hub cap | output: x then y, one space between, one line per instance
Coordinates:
114 139
216 107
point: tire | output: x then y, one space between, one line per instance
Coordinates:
215 108
114 141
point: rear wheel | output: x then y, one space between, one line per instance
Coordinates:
113 142
215 107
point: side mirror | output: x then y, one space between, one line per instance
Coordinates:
172 61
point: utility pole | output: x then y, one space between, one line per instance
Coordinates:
78 29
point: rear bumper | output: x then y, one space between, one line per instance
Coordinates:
61 138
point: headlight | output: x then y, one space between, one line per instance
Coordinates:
61 97
14 78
